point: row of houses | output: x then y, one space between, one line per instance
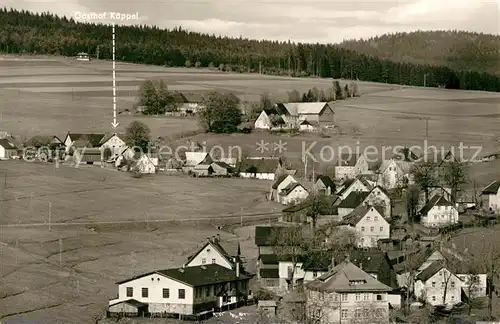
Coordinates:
380 276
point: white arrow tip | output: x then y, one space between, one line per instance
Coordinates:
115 124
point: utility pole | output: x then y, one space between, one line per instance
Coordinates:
50 216
426 127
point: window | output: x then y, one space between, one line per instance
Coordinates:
344 313
433 284
375 218
452 297
166 293
372 229
358 296
357 313
144 292
442 285
344 297
367 297
213 261
381 228
379 297
453 284
368 218
433 298
315 274
203 261
207 291
435 217
362 228
130 292
182 294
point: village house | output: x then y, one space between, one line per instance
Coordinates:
394 173
324 185
215 251
145 164
263 121
183 291
369 225
347 294
114 143
352 201
306 126
281 183
268 271
438 285
350 165
88 156
221 169
316 113
379 197
405 154
491 196
261 168
267 308
358 184
195 158
78 141
8 150
293 193
190 103
438 212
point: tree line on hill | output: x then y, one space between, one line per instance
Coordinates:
460 50
26 32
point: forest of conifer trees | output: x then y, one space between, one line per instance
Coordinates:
25 32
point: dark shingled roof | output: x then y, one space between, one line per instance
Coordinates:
347 159
268 259
204 275
263 234
327 181
298 207
228 250
7 144
430 271
290 188
262 165
269 273
492 188
405 154
280 179
92 139
353 200
357 214
437 200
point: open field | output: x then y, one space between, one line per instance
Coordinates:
39 283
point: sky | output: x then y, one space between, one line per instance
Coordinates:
324 21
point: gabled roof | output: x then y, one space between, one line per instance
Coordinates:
327 181
348 159
358 213
107 137
263 234
404 166
405 154
349 182
301 108
195 158
226 250
297 207
132 302
223 165
382 189
437 200
278 181
268 259
430 271
305 122
92 139
291 187
191 97
263 117
204 275
492 188
6 144
354 199
345 278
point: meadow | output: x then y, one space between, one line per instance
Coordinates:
67 274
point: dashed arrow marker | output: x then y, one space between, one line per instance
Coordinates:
114 123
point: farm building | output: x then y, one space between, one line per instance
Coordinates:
268 271
191 103
369 224
281 183
438 212
8 150
202 170
114 143
293 113
263 121
76 141
306 126
324 184
350 203
350 185
221 168
350 165
91 156
145 164
491 196
293 193
193 159
260 168
186 290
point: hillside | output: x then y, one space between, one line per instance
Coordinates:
457 49
25 32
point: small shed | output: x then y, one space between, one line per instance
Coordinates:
263 121
127 308
88 156
203 170
306 126
221 169
267 307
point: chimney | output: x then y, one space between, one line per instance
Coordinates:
237 269
361 265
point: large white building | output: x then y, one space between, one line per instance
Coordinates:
438 285
394 173
369 224
347 294
438 212
181 291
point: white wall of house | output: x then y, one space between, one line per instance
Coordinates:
378 198
391 177
320 186
371 228
494 201
476 289
298 194
67 143
263 121
394 300
115 144
344 172
259 176
209 255
155 284
147 165
342 308
433 289
306 128
361 165
440 216
355 186
284 267
312 275
288 180
7 153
